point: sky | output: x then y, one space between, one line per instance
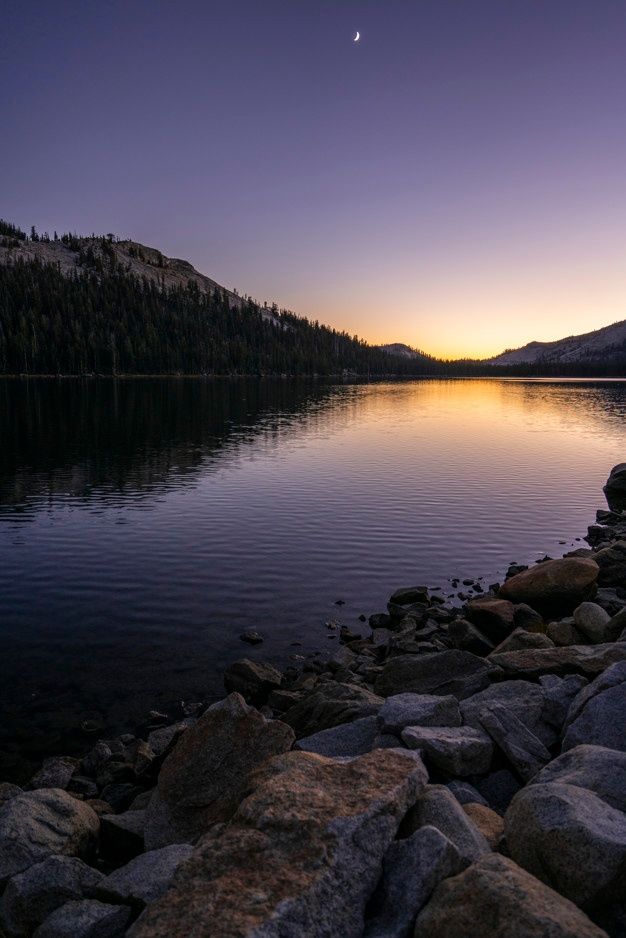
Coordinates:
456 180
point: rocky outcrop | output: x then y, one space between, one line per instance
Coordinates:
322 828
495 897
555 585
203 779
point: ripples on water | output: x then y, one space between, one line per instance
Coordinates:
144 524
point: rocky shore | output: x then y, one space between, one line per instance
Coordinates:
458 772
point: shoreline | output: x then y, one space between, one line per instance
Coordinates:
448 743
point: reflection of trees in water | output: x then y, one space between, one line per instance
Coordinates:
105 438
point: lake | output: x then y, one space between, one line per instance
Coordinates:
144 524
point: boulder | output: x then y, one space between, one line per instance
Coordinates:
145 878
489 822
495 897
498 789
520 638
467 637
528 619
591 621
494 617
330 705
347 739
524 751
31 896
161 739
418 710
456 750
409 595
437 807
411 869
85 918
302 854
55 772
254 680
456 673
564 632
524 700
573 841
558 694
554 585
573 659
204 777
37 824
600 770
598 714
615 488
612 563
8 791
465 793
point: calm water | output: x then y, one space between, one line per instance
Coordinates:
145 524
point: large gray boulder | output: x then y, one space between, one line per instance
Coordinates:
205 776
495 897
412 867
600 770
437 807
615 488
598 714
456 750
85 918
31 896
418 710
347 739
524 700
36 824
456 673
330 705
145 878
302 854
524 751
554 585
574 842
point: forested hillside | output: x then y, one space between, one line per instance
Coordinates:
99 305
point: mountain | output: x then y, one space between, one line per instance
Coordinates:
592 347
102 305
401 350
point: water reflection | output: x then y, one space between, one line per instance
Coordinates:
144 524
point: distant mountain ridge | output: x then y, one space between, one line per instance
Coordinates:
402 350
587 348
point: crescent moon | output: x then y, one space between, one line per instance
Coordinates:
357 37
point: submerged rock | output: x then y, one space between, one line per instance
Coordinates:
495 897
321 827
204 777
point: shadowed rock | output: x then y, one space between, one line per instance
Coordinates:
600 770
615 488
458 673
572 659
525 752
598 714
457 750
204 777
330 705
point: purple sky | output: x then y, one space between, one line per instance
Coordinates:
456 180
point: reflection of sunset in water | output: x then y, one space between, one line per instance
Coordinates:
144 525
